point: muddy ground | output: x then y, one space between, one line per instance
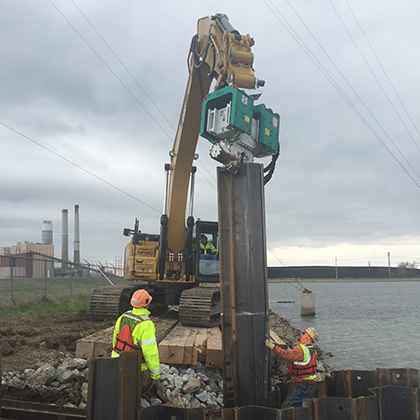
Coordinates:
29 341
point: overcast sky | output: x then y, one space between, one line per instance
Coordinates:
77 128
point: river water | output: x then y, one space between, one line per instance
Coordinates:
365 325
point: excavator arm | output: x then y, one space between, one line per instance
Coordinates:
218 52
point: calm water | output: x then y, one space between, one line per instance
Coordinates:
364 325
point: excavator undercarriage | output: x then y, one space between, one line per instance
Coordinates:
198 306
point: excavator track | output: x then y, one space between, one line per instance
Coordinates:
200 307
110 301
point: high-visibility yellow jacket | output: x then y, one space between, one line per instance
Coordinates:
144 335
208 248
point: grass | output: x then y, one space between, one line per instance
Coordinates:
48 306
38 290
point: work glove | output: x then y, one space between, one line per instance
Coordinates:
268 343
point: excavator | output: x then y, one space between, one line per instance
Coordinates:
175 266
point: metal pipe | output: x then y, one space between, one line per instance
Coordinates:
165 200
76 258
12 264
64 239
192 187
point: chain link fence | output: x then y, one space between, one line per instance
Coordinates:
33 278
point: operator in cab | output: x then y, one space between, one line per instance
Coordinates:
206 247
135 331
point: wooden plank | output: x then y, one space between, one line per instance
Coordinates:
100 343
172 348
164 327
277 340
214 355
95 345
190 351
201 344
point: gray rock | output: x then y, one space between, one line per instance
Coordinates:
203 377
187 397
175 400
144 403
191 373
17 383
67 376
70 405
203 396
213 385
77 363
171 379
39 378
194 403
174 371
155 401
179 382
192 385
48 394
84 391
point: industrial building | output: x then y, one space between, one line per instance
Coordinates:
31 260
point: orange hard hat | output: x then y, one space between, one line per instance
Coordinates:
140 298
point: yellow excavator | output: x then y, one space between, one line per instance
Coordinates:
180 265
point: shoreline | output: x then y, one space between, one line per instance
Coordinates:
343 280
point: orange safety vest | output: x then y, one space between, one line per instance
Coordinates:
306 369
124 340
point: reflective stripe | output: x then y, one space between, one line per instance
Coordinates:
145 342
306 356
156 370
131 317
143 317
306 369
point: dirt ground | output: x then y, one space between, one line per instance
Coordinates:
27 342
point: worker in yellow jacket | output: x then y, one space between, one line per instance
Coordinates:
134 330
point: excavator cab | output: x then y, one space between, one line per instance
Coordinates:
206 252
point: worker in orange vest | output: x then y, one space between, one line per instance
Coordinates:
134 330
301 367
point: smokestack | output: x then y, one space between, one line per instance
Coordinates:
76 235
47 232
65 239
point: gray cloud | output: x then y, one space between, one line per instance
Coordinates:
335 183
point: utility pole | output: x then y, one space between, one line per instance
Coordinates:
12 265
389 264
369 268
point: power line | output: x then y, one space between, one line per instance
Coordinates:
131 75
122 64
349 84
318 64
385 72
380 85
78 166
281 262
109 68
